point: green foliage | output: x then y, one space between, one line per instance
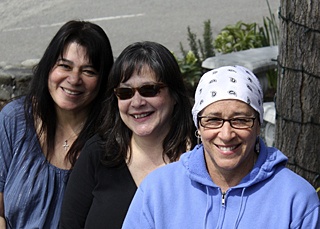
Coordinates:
190 69
232 38
243 36
240 36
207 49
190 64
270 30
270 35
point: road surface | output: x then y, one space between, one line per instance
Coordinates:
26 27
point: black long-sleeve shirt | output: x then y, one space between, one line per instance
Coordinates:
96 196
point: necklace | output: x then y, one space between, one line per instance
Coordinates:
65 145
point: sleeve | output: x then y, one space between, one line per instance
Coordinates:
5 147
137 216
311 218
78 195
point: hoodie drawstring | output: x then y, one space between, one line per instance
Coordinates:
208 207
241 209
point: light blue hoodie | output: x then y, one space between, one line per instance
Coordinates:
182 195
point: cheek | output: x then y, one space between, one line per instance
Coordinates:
51 83
165 103
54 79
92 85
123 106
164 106
207 135
249 140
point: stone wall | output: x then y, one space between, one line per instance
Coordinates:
15 79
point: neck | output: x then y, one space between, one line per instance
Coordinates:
70 120
146 156
68 129
146 148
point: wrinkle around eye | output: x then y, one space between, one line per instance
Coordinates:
90 73
64 66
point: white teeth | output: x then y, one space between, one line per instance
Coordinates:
227 148
140 115
71 92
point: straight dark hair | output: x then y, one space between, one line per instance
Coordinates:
39 103
115 133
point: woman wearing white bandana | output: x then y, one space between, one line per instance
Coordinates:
232 179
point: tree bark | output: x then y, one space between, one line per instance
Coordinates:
298 90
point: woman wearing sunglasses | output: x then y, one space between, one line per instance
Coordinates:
147 124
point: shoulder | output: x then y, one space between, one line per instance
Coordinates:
12 118
13 108
295 182
94 141
93 148
275 165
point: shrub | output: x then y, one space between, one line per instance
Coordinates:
190 64
240 36
232 38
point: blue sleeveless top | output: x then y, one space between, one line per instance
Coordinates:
32 187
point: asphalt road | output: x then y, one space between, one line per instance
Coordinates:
26 27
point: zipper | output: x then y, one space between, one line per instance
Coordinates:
223 198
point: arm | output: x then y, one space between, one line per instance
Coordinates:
311 218
2 220
5 159
78 195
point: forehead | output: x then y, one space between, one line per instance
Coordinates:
143 73
75 50
228 107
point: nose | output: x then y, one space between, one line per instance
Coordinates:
226 131
74 77
137 100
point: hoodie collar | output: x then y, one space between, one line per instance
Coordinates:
268 161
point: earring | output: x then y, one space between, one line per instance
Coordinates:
257 146
198 136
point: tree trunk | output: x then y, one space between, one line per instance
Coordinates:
298 92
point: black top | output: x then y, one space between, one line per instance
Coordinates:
96 196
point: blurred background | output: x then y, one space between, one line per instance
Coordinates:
26 27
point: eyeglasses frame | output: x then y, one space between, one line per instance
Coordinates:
226 120
134 89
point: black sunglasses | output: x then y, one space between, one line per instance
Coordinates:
149 90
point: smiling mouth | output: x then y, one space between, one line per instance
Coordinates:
137 116
70 92
225 148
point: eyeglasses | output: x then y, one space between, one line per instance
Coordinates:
149 90
237 123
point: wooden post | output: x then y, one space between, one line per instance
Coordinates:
298 94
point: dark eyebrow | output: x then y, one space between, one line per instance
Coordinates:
70 62
62 59
243 113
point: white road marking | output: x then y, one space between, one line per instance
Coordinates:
61 23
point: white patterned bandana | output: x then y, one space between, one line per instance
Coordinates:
228 82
